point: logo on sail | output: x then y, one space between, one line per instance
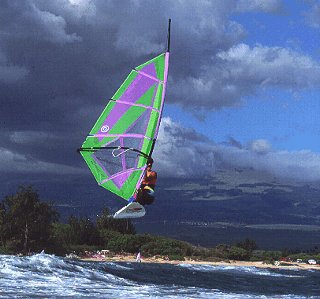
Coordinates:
104 129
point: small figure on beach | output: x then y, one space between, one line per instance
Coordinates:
145 195
138 258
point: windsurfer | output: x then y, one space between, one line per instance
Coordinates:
145 195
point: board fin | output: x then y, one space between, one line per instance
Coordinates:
132 210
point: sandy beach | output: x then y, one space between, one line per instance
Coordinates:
259 264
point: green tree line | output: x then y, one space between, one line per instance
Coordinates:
29 225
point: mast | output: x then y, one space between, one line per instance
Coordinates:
168 50
168 41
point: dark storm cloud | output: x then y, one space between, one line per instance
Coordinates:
61 60
10 73
60 76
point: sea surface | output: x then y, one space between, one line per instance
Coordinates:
49 276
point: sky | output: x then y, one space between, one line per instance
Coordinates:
243 87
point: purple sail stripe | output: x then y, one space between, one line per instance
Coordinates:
163 91
137 105
117 179
146 75
120 173
123 158
141 177
121 179
138 87
121 135
150 69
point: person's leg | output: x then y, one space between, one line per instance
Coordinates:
148 196
140 197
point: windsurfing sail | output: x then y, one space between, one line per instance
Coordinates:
122 139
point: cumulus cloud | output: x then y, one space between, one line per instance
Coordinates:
271 66
260 146
270 6
181 152
242 70
312 16
298 165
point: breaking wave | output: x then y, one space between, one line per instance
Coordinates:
49 276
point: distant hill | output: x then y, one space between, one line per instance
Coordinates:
236 204
233 205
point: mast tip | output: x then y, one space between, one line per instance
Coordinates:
168 41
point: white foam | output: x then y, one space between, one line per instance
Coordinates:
239 269
117 266
53 277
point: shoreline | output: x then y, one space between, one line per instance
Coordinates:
232 263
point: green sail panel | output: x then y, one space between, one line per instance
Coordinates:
117 147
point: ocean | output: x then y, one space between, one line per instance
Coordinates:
49 276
